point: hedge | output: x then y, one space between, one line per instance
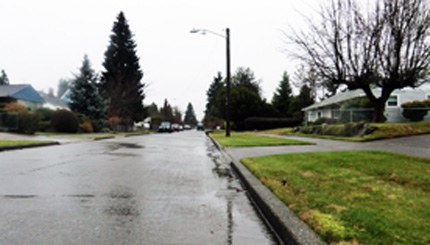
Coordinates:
263 123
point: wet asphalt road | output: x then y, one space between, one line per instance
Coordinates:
155 189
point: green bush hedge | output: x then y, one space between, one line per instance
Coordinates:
416 110
65 121
346 130
324 120
264 123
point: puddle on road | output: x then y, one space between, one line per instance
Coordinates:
116 146
82 196
121 204
113 147
19 196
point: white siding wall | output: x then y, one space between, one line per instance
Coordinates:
394 113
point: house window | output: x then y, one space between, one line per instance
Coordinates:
319 114
393 100
335 114
428 96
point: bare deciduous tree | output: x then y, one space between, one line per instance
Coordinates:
387 47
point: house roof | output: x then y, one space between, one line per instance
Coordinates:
351 94
53 102
337 99
22 92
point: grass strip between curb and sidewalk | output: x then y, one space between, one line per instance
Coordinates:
366 197
288 228
249 139
7 143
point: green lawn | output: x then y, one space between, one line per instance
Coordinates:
21 142
367 197
249 139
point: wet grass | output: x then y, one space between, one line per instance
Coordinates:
384 131
249 139
4 143
365 197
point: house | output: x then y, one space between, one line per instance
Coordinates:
23 94
330 107
66 96
53 102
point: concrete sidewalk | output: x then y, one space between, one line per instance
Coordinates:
412 145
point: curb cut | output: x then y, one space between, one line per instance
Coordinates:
289 228
20 147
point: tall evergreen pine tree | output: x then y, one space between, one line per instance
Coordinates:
4 80
84 96
282 97
190 116
121 81
212 110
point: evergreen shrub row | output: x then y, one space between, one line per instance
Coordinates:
264 123
345 130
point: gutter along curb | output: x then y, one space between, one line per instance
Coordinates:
289 228
20 147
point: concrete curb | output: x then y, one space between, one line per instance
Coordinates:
289 228
104 138
20 147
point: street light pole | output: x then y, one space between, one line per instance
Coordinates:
227 104
227 132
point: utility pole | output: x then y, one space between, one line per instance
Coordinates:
227 132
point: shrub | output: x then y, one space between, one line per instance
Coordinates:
263 123
416 110
45 114
353 129
23 122
324 120
114 122
28 123
65 121
87 127
346 130
82 118
15 107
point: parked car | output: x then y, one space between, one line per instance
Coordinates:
187 127
165 127
175 127
200 127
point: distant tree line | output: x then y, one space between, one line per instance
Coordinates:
247 101
171 114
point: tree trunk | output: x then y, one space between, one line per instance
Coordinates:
378 113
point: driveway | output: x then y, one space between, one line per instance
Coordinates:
413 145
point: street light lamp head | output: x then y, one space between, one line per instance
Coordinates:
201 31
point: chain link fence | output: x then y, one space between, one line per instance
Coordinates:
394 114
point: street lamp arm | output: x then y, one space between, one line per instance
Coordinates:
204 31
227 39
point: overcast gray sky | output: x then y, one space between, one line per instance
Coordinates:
43 41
